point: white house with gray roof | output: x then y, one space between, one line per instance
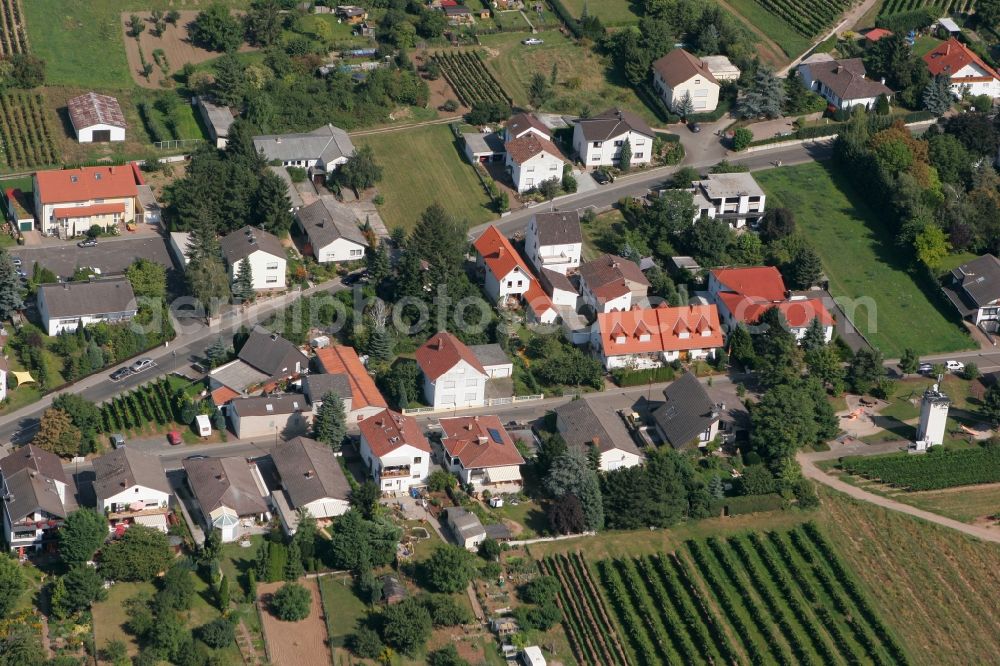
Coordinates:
320 151
735 198
37 497
333 231
974 289
311 480
590 422
554 241
270 416
598 140
132 489
264 252
66 305
229 494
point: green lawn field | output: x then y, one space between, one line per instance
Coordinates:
611 12
791 42
585 80
862 261
423 166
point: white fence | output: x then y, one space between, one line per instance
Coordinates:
492 402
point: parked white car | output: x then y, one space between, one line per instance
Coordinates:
955 366
532 41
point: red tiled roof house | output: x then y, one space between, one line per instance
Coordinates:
744 294
966 70
650 337
395 450
453 376
481 453
70 201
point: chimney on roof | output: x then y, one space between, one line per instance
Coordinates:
882 80
309 474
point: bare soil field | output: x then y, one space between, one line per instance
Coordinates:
301 643
174 43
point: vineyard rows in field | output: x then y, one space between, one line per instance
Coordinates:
467 74
13 39
942 7
26 138
755 598
931 471
807 17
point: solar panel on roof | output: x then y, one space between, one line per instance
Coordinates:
495 435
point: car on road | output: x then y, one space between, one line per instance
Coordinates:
89 242
603 177
174 437
199 457
16 260
141 364
120 374
694 127
118 440
925 368
954 366
532 41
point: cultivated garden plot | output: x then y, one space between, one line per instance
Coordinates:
943 7
774 597
301 643
25 132
472 82
807 17
932 471
13 39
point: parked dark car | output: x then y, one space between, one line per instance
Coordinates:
89 242
694 127
120 373
603 177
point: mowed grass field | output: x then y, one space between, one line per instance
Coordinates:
966 504
935 587
81 40
863 262
422 166
585 79
791 42
611 12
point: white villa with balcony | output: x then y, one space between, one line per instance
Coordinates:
733 197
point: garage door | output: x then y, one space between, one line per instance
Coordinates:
102 135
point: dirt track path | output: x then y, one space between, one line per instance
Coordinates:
811 471
769 50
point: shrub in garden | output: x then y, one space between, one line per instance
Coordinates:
291 603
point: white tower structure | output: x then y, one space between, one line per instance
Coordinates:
933 417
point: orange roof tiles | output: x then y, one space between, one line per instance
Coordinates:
498 254
88 211
388 430
342 359
474 440
952 56
85 184
526 146
762 282
222 395
536 299
442 353
649 330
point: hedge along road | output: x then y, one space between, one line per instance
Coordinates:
811 471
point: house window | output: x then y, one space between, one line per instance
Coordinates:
640 142
271 279
638 156
510 284
272 266
618 144
531 169
520 283
470 397
357 253
553 167
597 144
417 460
471 383
448 385
595 158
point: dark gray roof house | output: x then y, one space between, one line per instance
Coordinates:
126 468
240 244
587 422
314 387
225 482
272 354
327 220
95 299
612 123
559 228
33 479
974 285
688 412
322 149
310 472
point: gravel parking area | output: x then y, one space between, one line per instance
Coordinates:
112 256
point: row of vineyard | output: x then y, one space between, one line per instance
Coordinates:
26 138
754 598
466 72
591 634
806 17
134 410
942 7
930 471
13 39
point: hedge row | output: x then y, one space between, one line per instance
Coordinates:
638 377
735 506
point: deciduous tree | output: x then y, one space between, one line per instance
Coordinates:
82 533
216 29
11 293
141 554
291 603
449 568
570 474
12 584
56 433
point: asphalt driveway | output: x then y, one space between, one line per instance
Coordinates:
112 255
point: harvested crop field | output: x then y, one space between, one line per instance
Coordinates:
300 643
